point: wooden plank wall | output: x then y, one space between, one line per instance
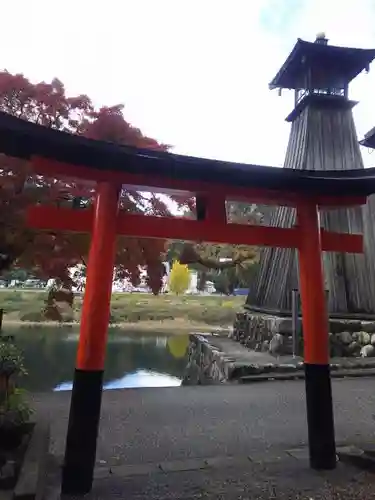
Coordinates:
322 139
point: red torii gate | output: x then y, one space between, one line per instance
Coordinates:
59 154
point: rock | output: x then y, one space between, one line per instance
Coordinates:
367 351
364 338
276 344
345 337
336 348
265 345
284 326
354 349
192 374
250 343
373 339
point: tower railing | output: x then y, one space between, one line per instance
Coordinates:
302 93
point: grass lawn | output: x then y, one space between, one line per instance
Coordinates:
143 310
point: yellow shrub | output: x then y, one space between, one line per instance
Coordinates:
179 278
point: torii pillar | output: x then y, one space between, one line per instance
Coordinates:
80 451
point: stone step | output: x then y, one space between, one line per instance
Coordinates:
298 375
362 458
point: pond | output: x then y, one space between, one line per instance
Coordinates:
133 360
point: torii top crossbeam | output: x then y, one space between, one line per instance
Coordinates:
23 139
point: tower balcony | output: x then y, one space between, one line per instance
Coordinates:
300 94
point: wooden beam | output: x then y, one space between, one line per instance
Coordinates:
341 242
141 226
191 230
173 186
59 219
213 207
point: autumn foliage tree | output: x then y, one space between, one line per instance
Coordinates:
51 254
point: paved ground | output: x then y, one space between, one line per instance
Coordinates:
153 425
219 441
287 479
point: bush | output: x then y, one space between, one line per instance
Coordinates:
179 278
14 410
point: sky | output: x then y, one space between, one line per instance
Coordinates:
191 73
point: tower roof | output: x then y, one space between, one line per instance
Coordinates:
369 140
338 63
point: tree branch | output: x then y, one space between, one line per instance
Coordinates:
190 256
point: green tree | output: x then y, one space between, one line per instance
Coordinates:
179 278
16 274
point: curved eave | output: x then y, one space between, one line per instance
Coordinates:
23 139
302 47
369 140
274 84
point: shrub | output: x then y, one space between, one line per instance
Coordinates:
14 411
179 278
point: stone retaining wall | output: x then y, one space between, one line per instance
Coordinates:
349 338
212 360
206 363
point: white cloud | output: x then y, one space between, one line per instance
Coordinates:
192 73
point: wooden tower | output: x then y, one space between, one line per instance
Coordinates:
322 137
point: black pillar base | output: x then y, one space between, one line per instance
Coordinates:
80 451
320 421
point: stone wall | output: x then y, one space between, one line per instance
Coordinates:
257 330
348 338
206 363
220 360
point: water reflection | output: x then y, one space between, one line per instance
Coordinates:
132 360
141 378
